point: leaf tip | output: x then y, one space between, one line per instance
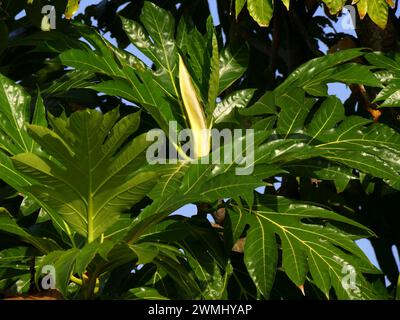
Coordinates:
301 287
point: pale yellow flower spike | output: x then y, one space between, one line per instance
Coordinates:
194 112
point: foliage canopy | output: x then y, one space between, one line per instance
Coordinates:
78 193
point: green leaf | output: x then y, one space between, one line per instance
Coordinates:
326 117
373 149
334 5
132 81
391 89
202 246
264 105
323 170
28 206
180 273
141 90
9 225
261 11
235 223
390 76
85 256
279 152
309 244
216 288
14 115
261 255
89 61
381 61
9 175
238 99
213 81
239 5
63 263
146 252
159 25
202 57
17 258
295 108
378 12
306 74
233 63
352 73
317 90
72 79
124 60
393 100
88 180
187 183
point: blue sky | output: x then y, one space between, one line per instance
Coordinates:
338 89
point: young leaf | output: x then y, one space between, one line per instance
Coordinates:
195 113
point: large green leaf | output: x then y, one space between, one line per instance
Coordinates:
261 242
132 80
202 245
310 244
89 180
187 182
156 88
326 117
14 115
323 70
169 264
352 141
373 149
159 25
323 170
